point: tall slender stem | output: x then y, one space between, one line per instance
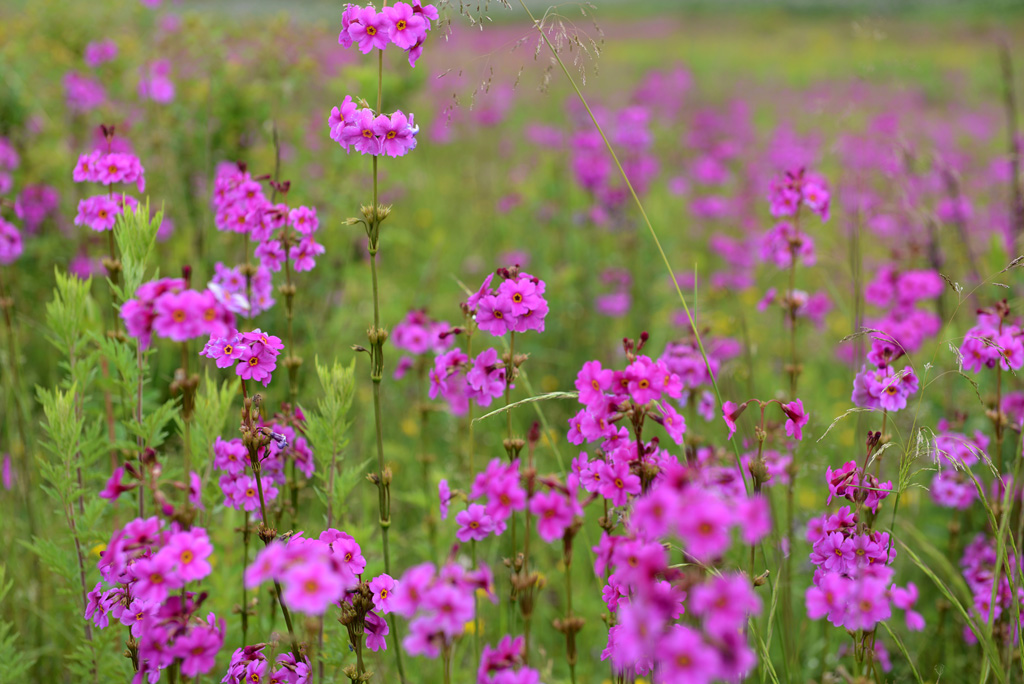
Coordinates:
377 338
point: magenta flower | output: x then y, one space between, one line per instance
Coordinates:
554 515
685 657
189 552
796 418
310 589
178 316
405 28
376 628
256 362
304 220
474 523
303 255
382 587
197 649
98 213
116 485
592 382
154 577
395 133
617 482
730 412
369 30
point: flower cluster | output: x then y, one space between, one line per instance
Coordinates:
853 581
418 334
884 388
250 664
439 604
813 307
35 204
516 305
100 212
100 52
979 563
167 308
503 664
853 483
82 93
145 562
314 573
799 188
241 491
457 380
272 253
784 243
607 395
992 342
955 453
647 594
402 24
249 299
155 82
369 133
629 130
255 353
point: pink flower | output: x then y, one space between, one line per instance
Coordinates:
154 577
554 515
382 587
304 254
369 29
617 482
474 523
198 647
395 133
445 496
311 588
117 485
406 28
592 382
304 220
730 412
189 552
796 418
684 657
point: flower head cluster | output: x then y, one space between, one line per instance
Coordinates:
991 343
147 563
516 305
35 204
439 604
83 94
241 491
100 52
853 483
504 664
100 212
784 243
955 453
418 335
366 132
155 82
166 308
402 24
314 573
852 580
647 594
884 387
629 130
254 354
250 664
799 188
979 563
607 395
231 287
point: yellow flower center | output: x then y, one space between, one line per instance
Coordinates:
400 24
